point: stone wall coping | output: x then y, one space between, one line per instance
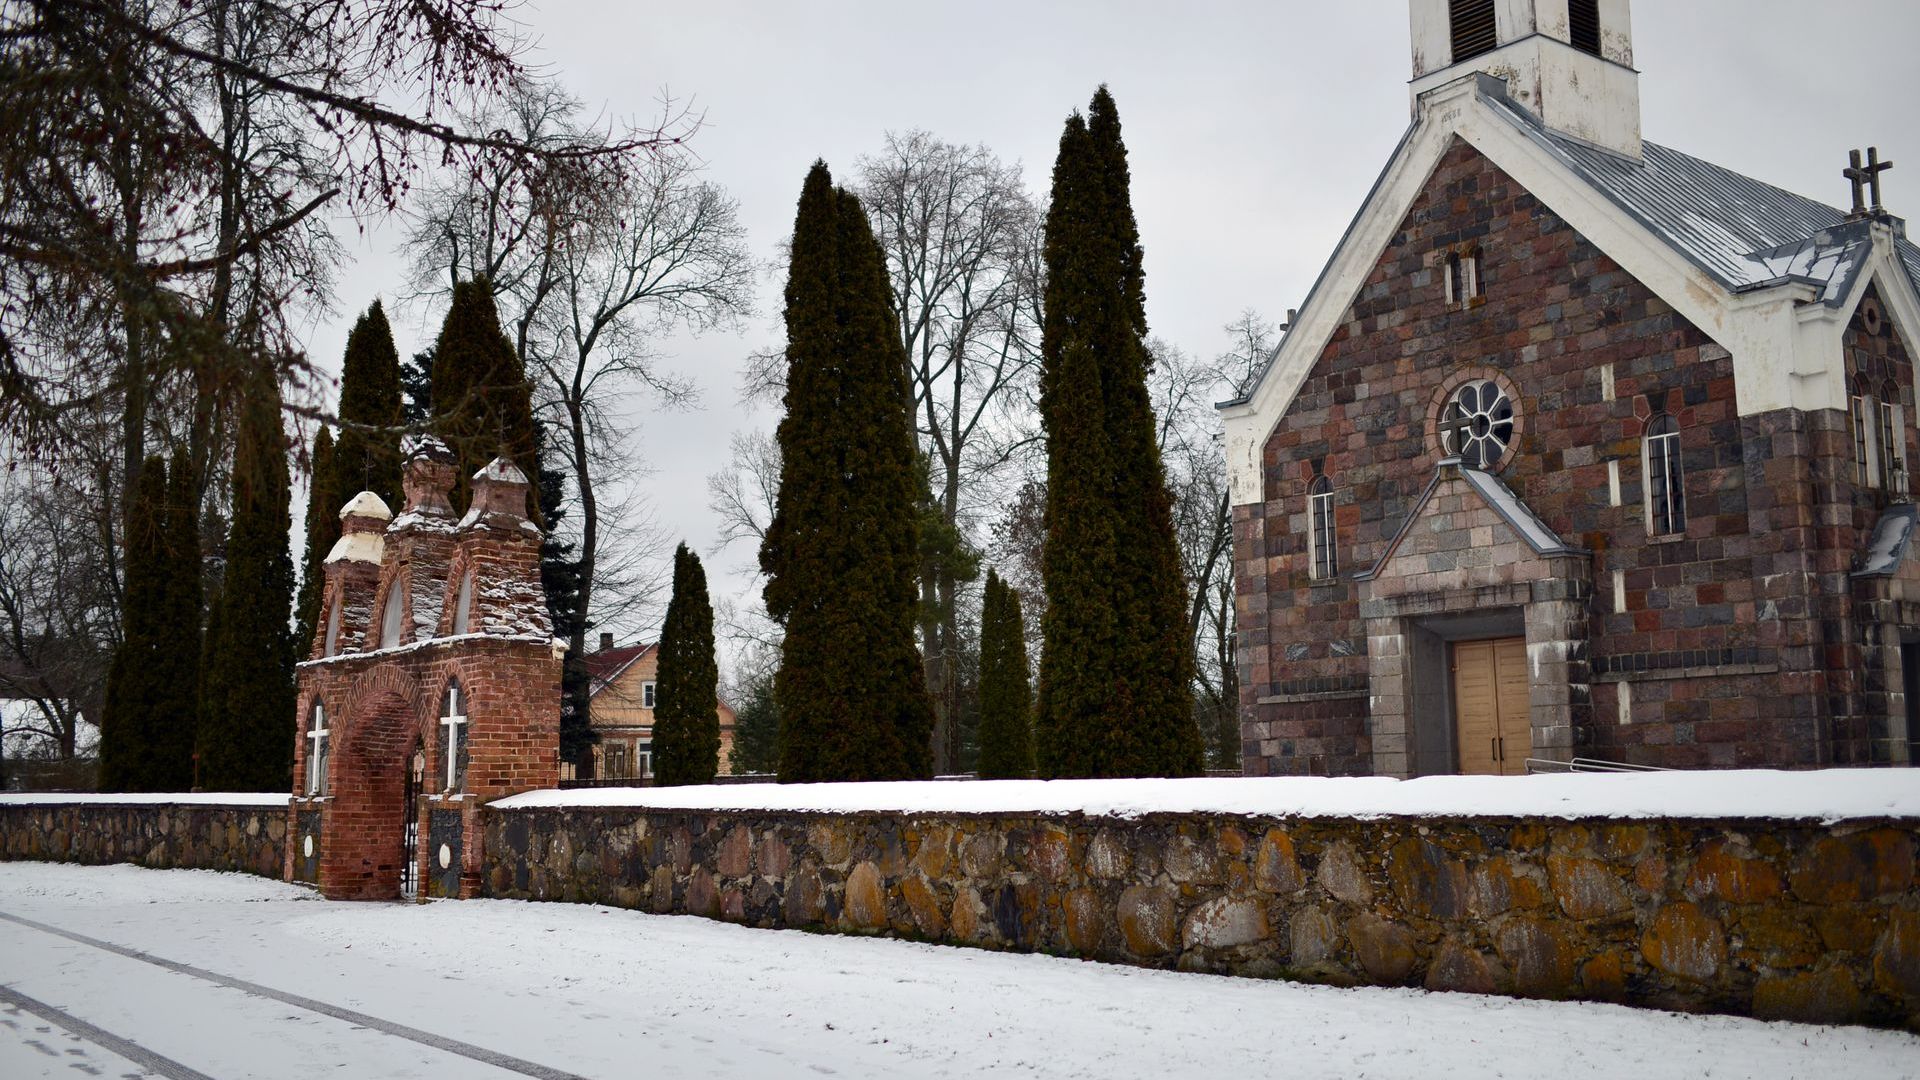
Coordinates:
1828 795
161 798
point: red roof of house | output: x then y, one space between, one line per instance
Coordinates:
605 666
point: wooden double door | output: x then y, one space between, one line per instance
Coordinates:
1491 707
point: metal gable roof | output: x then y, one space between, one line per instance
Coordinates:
1744 232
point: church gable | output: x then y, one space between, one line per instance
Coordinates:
1467 532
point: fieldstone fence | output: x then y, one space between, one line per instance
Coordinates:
1776 919
245 833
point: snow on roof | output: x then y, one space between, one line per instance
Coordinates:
1888 546
1827 795
422 445
366 504
608 665
500 470
367 547
164 798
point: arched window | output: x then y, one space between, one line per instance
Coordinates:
1322 537
1474 31
394 616
1583 25
463 606
318 736
1462 278
453 738
1665 479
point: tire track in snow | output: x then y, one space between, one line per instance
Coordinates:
425 1038
101 1037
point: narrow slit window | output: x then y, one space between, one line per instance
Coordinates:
1666 484
453 739
1474 28
318 735
1583 25
333 631
463 604
1893 443
1865 467
1323 536
1462 278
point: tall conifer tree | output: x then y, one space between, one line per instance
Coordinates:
173 744
367 455
323 530
686 726
1006 696
1117 664
841 551
247 723
145 701
482 401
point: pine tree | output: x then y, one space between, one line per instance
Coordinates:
686 727
841 551
323 530
482 401
1006 701
416 389
247 722
367 455
1117 663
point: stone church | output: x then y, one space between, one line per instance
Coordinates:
1580 447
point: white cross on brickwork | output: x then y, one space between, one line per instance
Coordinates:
453 720
317 733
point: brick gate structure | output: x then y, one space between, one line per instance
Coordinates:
433 686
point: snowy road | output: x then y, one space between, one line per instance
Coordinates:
117 971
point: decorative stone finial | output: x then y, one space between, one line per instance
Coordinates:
499 497
363 523
428 476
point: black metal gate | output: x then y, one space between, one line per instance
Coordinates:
410 831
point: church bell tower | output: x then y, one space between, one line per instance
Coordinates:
1569 62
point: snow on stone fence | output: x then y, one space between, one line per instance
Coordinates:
1770 894
214 831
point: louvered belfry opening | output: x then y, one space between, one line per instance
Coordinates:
1583 25
1473 28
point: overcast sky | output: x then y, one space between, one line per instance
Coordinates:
1253 131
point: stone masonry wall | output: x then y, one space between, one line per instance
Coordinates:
251 839
1781 920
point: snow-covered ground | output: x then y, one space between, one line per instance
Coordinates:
192 973
1824 795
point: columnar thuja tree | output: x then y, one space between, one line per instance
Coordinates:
246 718
323 529
1117 660
482 402
841 551
686 725
1006 697
367 455
146 726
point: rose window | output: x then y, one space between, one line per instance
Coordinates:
1477 424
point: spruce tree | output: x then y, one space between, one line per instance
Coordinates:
247 722
686 726
323 530
1006 700
367 455
756 728
1117 664
136 694
841 551
482 401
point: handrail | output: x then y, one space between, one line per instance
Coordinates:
1547 765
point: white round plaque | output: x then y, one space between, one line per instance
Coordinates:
306 845
446 856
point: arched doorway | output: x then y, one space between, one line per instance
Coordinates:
371 850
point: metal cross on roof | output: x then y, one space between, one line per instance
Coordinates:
1866 177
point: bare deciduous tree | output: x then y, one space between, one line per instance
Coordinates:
960 233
